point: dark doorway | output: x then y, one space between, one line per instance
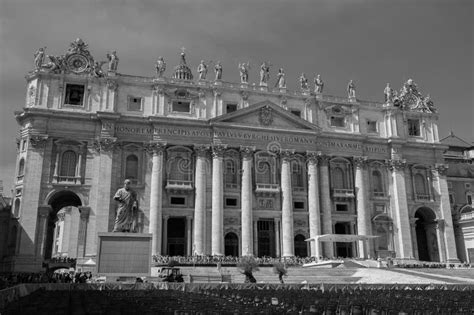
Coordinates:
301 247
176 236
266 238
231 244
426 238
343 249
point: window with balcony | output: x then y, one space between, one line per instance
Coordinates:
74 94
179 169
377 184
265 173
421 187
68 165
338 181
21 170
341 178
230 174
181 106
414 127
337 121
297 175
372 126
131 168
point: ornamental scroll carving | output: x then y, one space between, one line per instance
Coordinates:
154 147
265 116
38 141
247 151
396 165
312 157
442 169
218 150
105 144
360 161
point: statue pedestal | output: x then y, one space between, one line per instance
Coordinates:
124 254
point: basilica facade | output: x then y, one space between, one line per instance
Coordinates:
224 168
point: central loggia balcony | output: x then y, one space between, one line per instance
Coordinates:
267 188
422 197
172 184
74 180
342 193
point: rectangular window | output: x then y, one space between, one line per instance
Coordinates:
341 207
298 205
74 94
414 127
337 121
371 126
181 106
469 199
296 112
231 202
229 108
23 145
178 201
135 104
451 199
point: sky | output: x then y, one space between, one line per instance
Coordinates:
371 42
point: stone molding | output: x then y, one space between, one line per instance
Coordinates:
201 150
286 155
155 147
324 159
441 169
105 144
312 157
38 141
397 164
112 84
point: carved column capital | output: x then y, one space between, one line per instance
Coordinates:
360 161
217 92
201 150
245 95
112 84
396 164
312 157
218 150
38 141
159 89
105 144
441 169
155 147
247 151
286 155
324 159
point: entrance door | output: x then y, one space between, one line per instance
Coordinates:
177 236
266 238
231 242
343 249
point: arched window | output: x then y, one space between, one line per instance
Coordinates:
377 181
420 185
68 164
263 172
231 244
338 181
16 209
21 167
131 167
297 176
230 171
301 247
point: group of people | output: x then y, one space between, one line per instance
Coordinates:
11 279
229 260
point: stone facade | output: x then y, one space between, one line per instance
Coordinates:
226 168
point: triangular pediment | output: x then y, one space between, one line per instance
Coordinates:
265 115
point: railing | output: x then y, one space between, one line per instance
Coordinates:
179 184
231 186
67 179
378 194
19 178
343 192
298 189
467 216
423 197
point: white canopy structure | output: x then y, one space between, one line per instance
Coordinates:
343 238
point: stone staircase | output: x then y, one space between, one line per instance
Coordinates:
266 275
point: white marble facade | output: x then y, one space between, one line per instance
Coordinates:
226 168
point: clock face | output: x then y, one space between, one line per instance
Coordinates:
77 63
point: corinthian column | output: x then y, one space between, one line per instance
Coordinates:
313 200
156 193
363 214
217 201
287 204
446 228
326 204
398 202
246 202
200 200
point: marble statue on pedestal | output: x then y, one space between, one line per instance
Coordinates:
218 70
388 92
113 61
160 66
202 70
318 84
264 73
244 72
281 82
127 211
303 82
351 92
39 58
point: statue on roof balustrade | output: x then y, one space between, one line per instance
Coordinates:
39 58
388 92
303 82
244 72
318 84
264 73
202 70
351 89
218 71
281 82
113 61
160 66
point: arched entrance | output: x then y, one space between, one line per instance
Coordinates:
343 249
231 244
63 226
301 247
426 238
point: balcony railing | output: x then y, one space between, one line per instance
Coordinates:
467 216
179 184
378 194
19 178
422 197
67 179
298 189
267 188
343 193
231 186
